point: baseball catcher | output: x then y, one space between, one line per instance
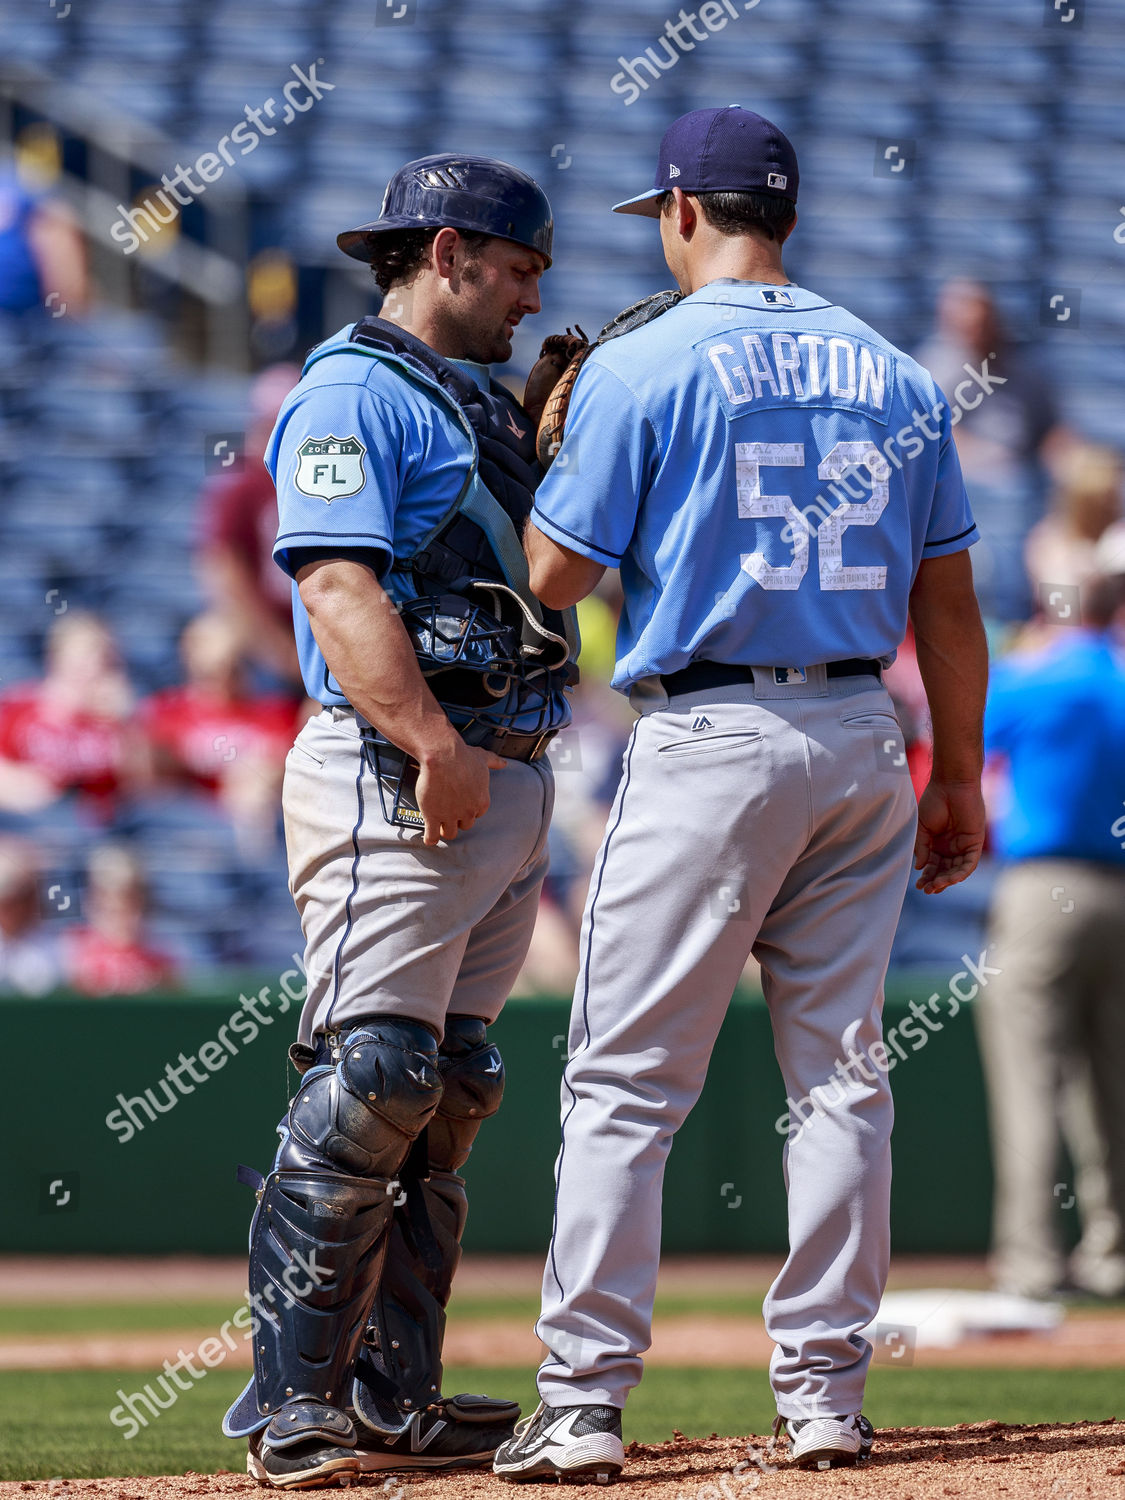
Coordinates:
416 808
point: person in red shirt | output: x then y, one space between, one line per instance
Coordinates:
109 954
209 734
71 732
239 525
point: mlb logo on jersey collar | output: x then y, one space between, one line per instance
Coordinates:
785 676
774 296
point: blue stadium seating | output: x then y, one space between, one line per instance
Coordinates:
1016 130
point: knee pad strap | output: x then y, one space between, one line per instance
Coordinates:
472 1073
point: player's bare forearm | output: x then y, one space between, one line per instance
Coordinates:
953 660
559 577
368 651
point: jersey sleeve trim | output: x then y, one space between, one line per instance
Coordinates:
573 542
345 540
950 541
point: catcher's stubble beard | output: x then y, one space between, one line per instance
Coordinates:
462 302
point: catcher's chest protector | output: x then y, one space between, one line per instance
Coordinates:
480 536
505 444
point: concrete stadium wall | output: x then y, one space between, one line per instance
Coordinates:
167 1184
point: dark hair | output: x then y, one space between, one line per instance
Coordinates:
401 255
743 213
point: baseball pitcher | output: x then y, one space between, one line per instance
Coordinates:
779 488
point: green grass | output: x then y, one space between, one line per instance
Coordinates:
57 1423
22 1318
19 1319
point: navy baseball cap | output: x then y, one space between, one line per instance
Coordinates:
729 150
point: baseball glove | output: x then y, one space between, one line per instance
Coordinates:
560 360
557 354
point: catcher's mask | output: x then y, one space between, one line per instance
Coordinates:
499 676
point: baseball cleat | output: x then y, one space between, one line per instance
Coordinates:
306 1466
564 1442
440 1436
828 1442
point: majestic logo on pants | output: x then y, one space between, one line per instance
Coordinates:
330 468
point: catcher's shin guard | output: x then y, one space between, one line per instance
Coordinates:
321 1232
307 1328
399 1369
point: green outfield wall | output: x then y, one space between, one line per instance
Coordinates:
166 1184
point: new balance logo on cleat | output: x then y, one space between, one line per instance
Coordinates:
428 1438
701 722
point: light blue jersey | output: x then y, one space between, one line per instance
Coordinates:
362 460
766 471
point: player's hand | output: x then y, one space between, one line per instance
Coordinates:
452 789
951 827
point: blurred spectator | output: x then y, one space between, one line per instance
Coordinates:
42 252
109 954
212 734
1002 441
30 955
1081 535
239 522
72 730
1052 1022
1086 501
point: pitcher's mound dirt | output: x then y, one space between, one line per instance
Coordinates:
1051 1461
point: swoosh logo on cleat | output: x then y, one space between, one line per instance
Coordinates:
529 1450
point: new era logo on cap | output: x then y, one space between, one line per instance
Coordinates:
729 150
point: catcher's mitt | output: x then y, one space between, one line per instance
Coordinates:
555 357
560 360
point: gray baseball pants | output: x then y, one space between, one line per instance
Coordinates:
765 819
395 928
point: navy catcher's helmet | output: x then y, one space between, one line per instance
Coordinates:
459 192
501 684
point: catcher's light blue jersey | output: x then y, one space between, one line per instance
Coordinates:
363 462
766 471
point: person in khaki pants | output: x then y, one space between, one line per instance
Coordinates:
1052 1023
